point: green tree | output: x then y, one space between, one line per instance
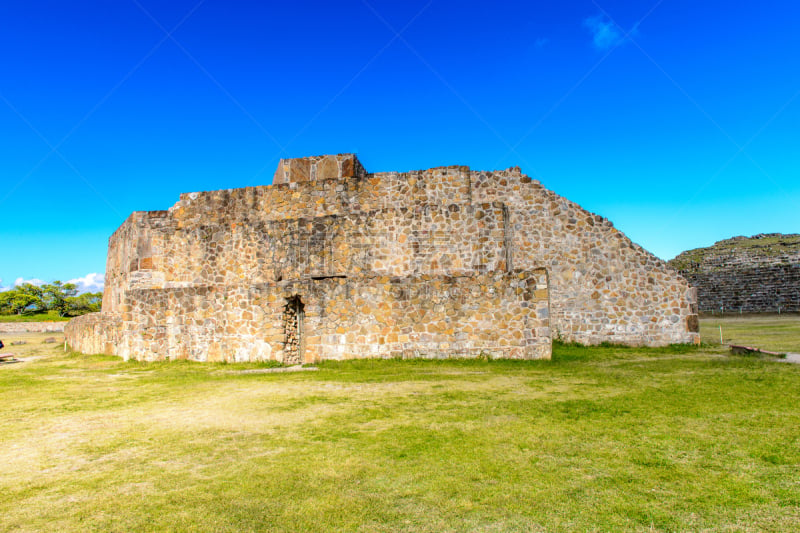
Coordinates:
88 302
23 298
35 294
57 296
15 301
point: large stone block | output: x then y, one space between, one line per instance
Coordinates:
318 168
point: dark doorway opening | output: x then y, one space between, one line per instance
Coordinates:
293 316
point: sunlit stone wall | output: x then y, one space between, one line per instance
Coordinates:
326 220
493 315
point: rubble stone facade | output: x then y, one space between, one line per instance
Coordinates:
332 262
758 274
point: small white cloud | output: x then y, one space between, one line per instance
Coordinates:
32 281
3 287
93 282
605 34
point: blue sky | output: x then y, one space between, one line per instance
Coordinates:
678 120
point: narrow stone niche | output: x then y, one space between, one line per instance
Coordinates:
293 315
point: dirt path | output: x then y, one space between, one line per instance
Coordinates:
792 358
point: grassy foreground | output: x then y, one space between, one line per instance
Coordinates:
599 439
773 332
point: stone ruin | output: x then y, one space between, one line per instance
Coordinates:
333 262
758 274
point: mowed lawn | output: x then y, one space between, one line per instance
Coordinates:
599 439
772 332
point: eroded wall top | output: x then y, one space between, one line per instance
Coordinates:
320 167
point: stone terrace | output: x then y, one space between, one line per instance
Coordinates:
220 274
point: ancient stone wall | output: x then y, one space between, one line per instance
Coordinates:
765 289
452 240
751 275
495 314
327 217
604 288
95 333
151 251
32 327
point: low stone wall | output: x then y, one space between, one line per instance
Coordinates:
32 327
494 314
94 333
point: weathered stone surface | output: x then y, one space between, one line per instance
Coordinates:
292 171
494 314
31 327
749 274
322 167
434 263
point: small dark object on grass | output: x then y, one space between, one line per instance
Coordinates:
18 343
747 350
49 340
8 358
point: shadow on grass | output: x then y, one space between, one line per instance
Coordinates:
393 369
566 352
156 371
563 353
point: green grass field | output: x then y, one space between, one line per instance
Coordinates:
599 439
47 316
780 333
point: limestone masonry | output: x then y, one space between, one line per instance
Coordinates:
32 327
748 274
331 262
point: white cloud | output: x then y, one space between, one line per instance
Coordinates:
605 34
32 281
93 282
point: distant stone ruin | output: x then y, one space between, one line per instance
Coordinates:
332 262
759 274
